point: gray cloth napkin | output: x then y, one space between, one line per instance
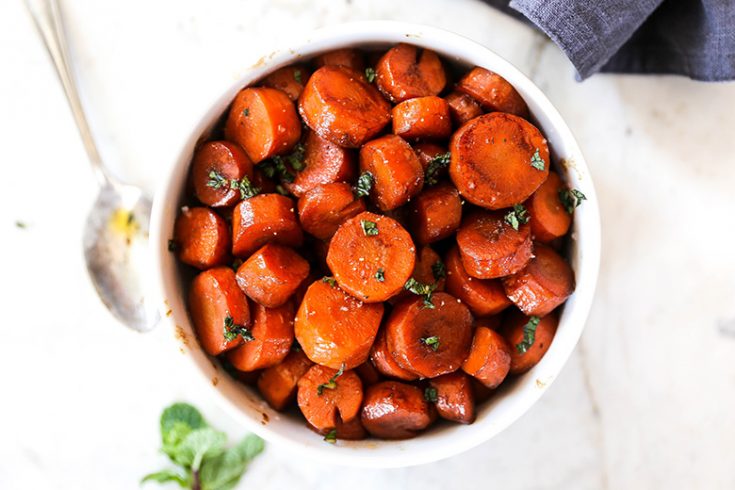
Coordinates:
695 38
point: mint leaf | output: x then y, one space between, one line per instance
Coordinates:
537 162
435 166
198 444
529 335
224 471
364 184
168 476
177 421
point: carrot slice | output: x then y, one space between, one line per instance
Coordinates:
347 57
335 329
396 169
273 335
394 410
422 117
290 80
489 358
339 105
264 122
490 247
455 400
498 160
383 360
371 257
202 238
263 219
405 72
326 206
324 392
529 339
272 274
368 373
436 213
218 308
549 219
545 283
215 165
324 163
462 107
429 269
347 431
277 384
429 341
482 296
493 92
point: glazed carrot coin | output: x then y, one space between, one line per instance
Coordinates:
325 394
429 341
462 107
264 122
219 310
277 384
272 274
340 106
371 257
490 247
347 431
202 238
335 329
383 360
489 358
324 163
405 72
394 410
498 160
368 374
529 339
549 219
455 400
290 80
263 219
215 165
396 169
545 283
482 296
493 92
436 213
348 57
272 333
422 117
326 206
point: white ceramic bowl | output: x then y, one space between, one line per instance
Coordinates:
443 440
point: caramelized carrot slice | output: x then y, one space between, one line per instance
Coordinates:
489 358
429 269
482 296
455 400
272 274
273 335
422 117
429 341
394 410
335 329
218 309
493 92
383 360
264 122
371 257
436 213
347 431
498 160
263 219
340 106
529 339
277 384
324 393
290 80
348 57
215 165
396 169
324 163
202 238
549 219
490 247
405 72
545 283
368 374
481 392
462 107
326 206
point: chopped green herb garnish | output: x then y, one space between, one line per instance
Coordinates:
537 162
370 228
232 330
296 157
430 394
435 165
431 342
297 76
172 246
571 198
246 112
380 275
331 436
330 280
364 185
529 335
236 264
370 74
217 180
439 270
519 216
281 190
246 188
332 383
421 289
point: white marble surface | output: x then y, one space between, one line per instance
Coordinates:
647 400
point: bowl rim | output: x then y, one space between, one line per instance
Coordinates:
586 245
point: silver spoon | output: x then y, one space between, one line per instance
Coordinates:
116 233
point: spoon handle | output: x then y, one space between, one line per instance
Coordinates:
49 23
